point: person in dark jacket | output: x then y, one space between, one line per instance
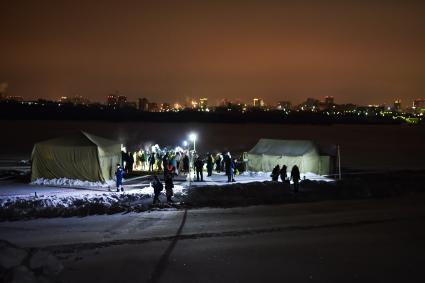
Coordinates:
186 163
157 188
230 167
129 163
218 161
199 168
165 162
169 185
210 164
119 174
275 173
282 173
151 161
295 176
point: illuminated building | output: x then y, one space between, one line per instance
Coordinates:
177 106
397 105
283 105
122 101
15 98
419 103
258 102
329 100
203 103
165 107
143 104
194 104
112 100
153 107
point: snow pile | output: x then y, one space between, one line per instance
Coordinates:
178 189
65 182
256 174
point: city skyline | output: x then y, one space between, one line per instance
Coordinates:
364 53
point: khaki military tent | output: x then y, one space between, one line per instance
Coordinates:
80 156
307 155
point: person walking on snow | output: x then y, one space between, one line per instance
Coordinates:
119 174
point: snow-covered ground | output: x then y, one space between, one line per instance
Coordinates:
65 192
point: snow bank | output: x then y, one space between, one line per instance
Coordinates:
72 183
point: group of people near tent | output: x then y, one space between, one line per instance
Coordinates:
172 163
281 172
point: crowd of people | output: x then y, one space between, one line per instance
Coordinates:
172 163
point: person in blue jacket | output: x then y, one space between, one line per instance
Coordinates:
119 174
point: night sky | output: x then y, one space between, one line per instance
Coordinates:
358 51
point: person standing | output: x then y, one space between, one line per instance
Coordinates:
151 161
295 176
275 173
119 174
169 185
199 166
186 163
157 188
218 160
282 173
210 164
230 167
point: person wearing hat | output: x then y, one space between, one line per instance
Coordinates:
119 174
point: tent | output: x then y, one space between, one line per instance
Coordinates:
306 154
80 156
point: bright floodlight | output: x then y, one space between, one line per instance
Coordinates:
184 143
192 137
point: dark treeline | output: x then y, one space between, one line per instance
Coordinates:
52 111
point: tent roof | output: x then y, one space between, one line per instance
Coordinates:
283 147
79 139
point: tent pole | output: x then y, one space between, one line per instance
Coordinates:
339 163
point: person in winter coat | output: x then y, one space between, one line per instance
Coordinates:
130 162
119 174
165 161
199 167
169 185
275 173
295 176
218 161
230 167
157 188
282 173
186 163
151 161
210 164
